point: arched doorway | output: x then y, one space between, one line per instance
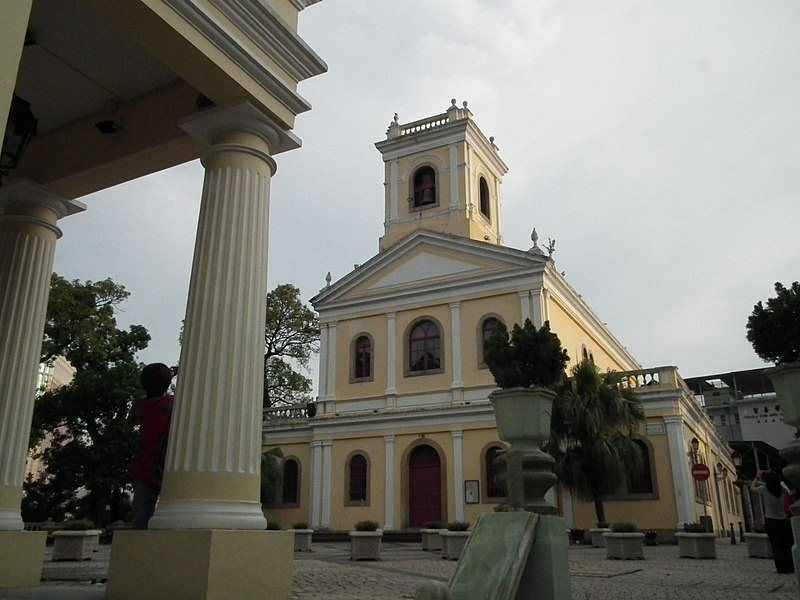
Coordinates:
424 486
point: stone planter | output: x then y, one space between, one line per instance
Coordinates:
302 539
453 543
75 545
598 541
624 546
758 545
523 415
696 545
365 545
431 540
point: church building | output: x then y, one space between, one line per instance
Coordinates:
402 431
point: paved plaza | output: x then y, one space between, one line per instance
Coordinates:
326 573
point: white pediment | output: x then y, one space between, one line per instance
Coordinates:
424 266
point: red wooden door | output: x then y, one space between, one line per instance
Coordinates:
424 486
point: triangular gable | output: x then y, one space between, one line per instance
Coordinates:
426 259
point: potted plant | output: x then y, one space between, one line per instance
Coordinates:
596 534
650 538
429 535
526 365
76 540
365 541
302 537
623 542
454 538
695 542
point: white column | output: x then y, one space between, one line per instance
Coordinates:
331 370
212 474
316 485
323 360
681 474
391 353
394 191
455 341
458 472
454 178
327 469
388 441
28 235
524 307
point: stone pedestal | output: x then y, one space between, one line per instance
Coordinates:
23 558
201 565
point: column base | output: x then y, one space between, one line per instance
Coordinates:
201 564
546 574
208 514
23 558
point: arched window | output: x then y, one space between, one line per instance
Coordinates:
488 327
424 187
424 347
362 358
484 191
495 490
642 483
290 490
357 479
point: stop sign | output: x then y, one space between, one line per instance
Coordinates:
700 472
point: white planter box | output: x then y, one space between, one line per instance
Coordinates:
431 540
624 546
302 539
758 545
453 543
365 545
598 541
75 545
696 545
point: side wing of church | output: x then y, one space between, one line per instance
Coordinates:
402 431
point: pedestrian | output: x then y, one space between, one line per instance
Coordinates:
779 530
153 415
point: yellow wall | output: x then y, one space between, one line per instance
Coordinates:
13 24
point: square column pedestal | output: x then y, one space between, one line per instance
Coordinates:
22 558
546 574
209 564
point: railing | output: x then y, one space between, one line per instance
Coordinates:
274 414
423 124
658 376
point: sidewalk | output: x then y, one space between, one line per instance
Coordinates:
326 573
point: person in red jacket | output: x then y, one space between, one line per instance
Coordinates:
153 416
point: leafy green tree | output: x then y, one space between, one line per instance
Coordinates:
291 336
92 440
592 424
774 329
271 473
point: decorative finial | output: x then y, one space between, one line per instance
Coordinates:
396 118
491 139
534 237
328 279
453 101
464 104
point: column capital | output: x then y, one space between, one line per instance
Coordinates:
28 192
207 125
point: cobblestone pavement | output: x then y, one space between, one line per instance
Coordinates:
327 573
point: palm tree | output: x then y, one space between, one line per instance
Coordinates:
592 423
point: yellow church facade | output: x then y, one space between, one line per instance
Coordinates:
402 431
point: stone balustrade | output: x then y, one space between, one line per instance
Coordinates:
275 414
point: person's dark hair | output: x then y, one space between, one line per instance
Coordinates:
155 379
772 482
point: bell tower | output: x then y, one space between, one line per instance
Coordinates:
441 174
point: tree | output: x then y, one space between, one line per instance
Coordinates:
774 330
290 338
593 420
92 441
271 474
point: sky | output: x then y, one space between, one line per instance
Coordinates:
658 143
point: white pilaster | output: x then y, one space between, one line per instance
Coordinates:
212 474
316 485
394 190
455 341
331 370
323 360
454 177
524 307
327 468
681 474
388 441
28 235
391 354
458 472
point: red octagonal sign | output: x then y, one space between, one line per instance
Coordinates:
700 472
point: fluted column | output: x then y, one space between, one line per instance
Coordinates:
212 473
28 234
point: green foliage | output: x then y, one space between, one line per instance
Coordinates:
47 498
591 426
774 330
290 338
436 525
457 526
271 474
78 525
92 441
623 527
366 526
526 358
